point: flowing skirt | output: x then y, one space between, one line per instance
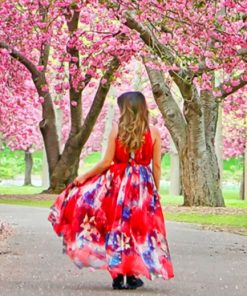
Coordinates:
114 221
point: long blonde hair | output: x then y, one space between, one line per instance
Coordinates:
133 121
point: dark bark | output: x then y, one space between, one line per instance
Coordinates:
74 93
48 124
28 167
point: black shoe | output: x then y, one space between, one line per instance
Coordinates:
118 283
133 282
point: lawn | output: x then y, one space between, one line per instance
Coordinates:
231 221
32 203
12 163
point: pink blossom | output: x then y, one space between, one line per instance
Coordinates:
74 103
103 81
40 68
41 100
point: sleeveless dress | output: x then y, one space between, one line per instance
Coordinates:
114 221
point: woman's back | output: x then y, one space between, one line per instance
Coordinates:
142 156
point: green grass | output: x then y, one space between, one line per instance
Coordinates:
20 190
231 198
90 161
209 219
240 204
233 169
12 163
233 164
32 203
92 158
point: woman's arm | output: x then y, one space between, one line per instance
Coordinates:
105 163
156 162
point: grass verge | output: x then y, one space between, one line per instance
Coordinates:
209 219
20 190
32 203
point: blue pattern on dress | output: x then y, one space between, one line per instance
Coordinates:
89 197
126 213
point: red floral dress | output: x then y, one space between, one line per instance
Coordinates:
114 221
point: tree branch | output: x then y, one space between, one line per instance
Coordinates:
241 84
98 102
167 105
21 58
45 46
150 40
74 93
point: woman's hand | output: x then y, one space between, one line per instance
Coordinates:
80 180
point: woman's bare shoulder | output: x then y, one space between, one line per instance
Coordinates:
154 131
114 129
155 134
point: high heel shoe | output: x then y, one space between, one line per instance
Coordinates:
118 283
133 282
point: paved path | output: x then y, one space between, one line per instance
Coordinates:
206 263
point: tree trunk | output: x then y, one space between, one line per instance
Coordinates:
198 184
67 167
212 120
199 168
48 124
219 143
28 167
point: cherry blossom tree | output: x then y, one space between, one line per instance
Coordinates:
235 131
19 119
191 40
69 39
234 124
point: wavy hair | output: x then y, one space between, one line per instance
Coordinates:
133 121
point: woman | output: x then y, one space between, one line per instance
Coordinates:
110 217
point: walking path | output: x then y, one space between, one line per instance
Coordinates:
206 263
